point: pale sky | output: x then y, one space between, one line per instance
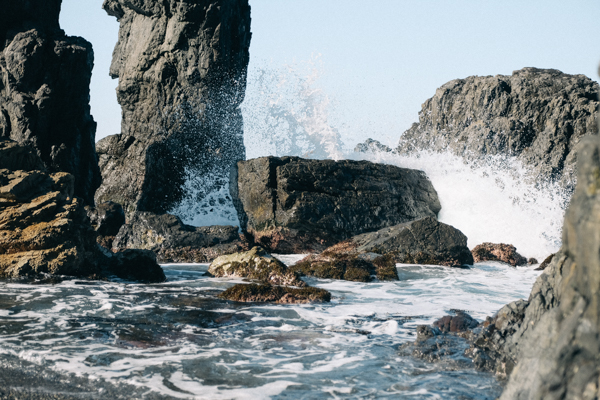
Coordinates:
379 60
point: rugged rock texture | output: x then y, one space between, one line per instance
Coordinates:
255 264
506 253
44 91
106 218
423 241
461 322
181 66
372 146
342 262
276 294
545 263
293 205
554 337
174 241
537 115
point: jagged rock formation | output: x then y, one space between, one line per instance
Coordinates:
293 205
44 91
537 115
553 339
44 229
181 67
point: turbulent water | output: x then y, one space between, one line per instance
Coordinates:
122 340
82 339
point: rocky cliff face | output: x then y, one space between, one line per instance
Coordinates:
551 342
181 66
44 91
537 115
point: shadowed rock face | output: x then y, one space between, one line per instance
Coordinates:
181 66
44 91
537 115
291 205
553 339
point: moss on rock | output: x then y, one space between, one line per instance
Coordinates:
275 294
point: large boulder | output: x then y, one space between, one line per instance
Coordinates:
181 67
173 241
44 91
294 205
423 241
537 115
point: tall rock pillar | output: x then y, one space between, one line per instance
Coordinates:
181 66
44 90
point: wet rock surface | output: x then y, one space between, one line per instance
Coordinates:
537 115
106 218
182 75
341 262
506 253
275 294
423 241
173 241
255 264
294 205
44 91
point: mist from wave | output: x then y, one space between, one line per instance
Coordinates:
494 199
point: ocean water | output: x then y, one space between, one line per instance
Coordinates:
176 340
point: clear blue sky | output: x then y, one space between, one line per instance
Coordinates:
381 59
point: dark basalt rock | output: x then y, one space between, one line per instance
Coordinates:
460 322
181 67
137 265
423 241
173 241
294 205
537 115
106 218
275 294
506 253
255 264
372 146
44 91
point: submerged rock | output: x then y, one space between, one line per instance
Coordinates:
276 294
506 253
255 264
174 241
536 115
44 91
182 75
294 205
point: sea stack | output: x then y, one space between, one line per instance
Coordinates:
536 115
44 91
181 67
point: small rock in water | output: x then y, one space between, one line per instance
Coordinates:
255 264
461 322
506 253
545 263
276 294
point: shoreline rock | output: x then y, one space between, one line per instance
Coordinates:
275 294
182 76
506 253
295 205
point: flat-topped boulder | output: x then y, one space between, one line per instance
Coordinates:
294 205
275 294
